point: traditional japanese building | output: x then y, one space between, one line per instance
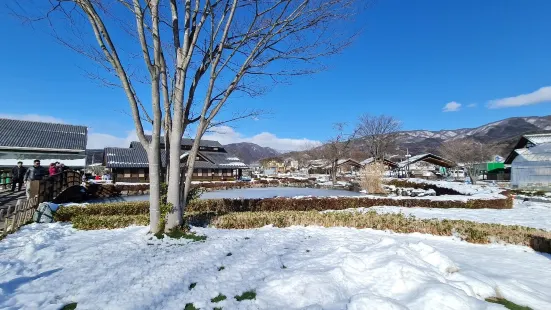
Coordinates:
213 162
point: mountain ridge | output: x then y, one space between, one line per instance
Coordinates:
503 133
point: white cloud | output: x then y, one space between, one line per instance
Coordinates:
33 117
102 140
451 107
539 96
227 135
472 105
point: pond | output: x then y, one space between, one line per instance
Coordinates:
268 192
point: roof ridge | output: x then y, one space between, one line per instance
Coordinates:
40 122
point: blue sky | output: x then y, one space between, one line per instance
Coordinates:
412 59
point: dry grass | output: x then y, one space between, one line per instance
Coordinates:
469 231
371 178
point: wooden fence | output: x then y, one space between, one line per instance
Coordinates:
15 215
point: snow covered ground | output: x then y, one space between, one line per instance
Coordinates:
529 214
49 265
465 189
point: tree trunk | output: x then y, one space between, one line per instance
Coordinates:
167 154
334 172
191 164
173 196
471 174
154 185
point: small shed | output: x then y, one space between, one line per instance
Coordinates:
531 168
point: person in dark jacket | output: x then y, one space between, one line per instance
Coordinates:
17 174
34 173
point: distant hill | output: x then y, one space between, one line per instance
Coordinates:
504 133
250 152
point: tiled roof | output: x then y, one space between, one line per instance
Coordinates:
136 157
185 141
39 135
428 157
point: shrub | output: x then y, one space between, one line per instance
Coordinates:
94 222
340 203
469 231
65 214
371 177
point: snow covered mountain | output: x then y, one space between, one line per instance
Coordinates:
250 152
504 133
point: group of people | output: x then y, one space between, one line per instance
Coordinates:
22 175
56 168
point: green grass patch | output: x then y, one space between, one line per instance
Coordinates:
181 234
221 268
218 298
71 306
507 304
93 222
248 295
192 285
190 306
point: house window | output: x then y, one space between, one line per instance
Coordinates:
215 149
199 172
141 173
219 171
127 173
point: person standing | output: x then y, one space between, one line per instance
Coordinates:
34 173
52 170
17 174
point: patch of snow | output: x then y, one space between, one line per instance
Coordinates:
465 189
49 265
528 214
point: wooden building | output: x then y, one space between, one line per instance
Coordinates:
26 141
213 162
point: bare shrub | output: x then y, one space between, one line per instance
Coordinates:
371 177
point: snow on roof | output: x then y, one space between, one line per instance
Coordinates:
540 152
367 161
539 138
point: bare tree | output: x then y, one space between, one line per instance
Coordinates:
337 147
378 134
196 54
468 153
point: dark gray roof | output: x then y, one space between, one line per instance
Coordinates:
118 157
29 134
185 141
136 157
